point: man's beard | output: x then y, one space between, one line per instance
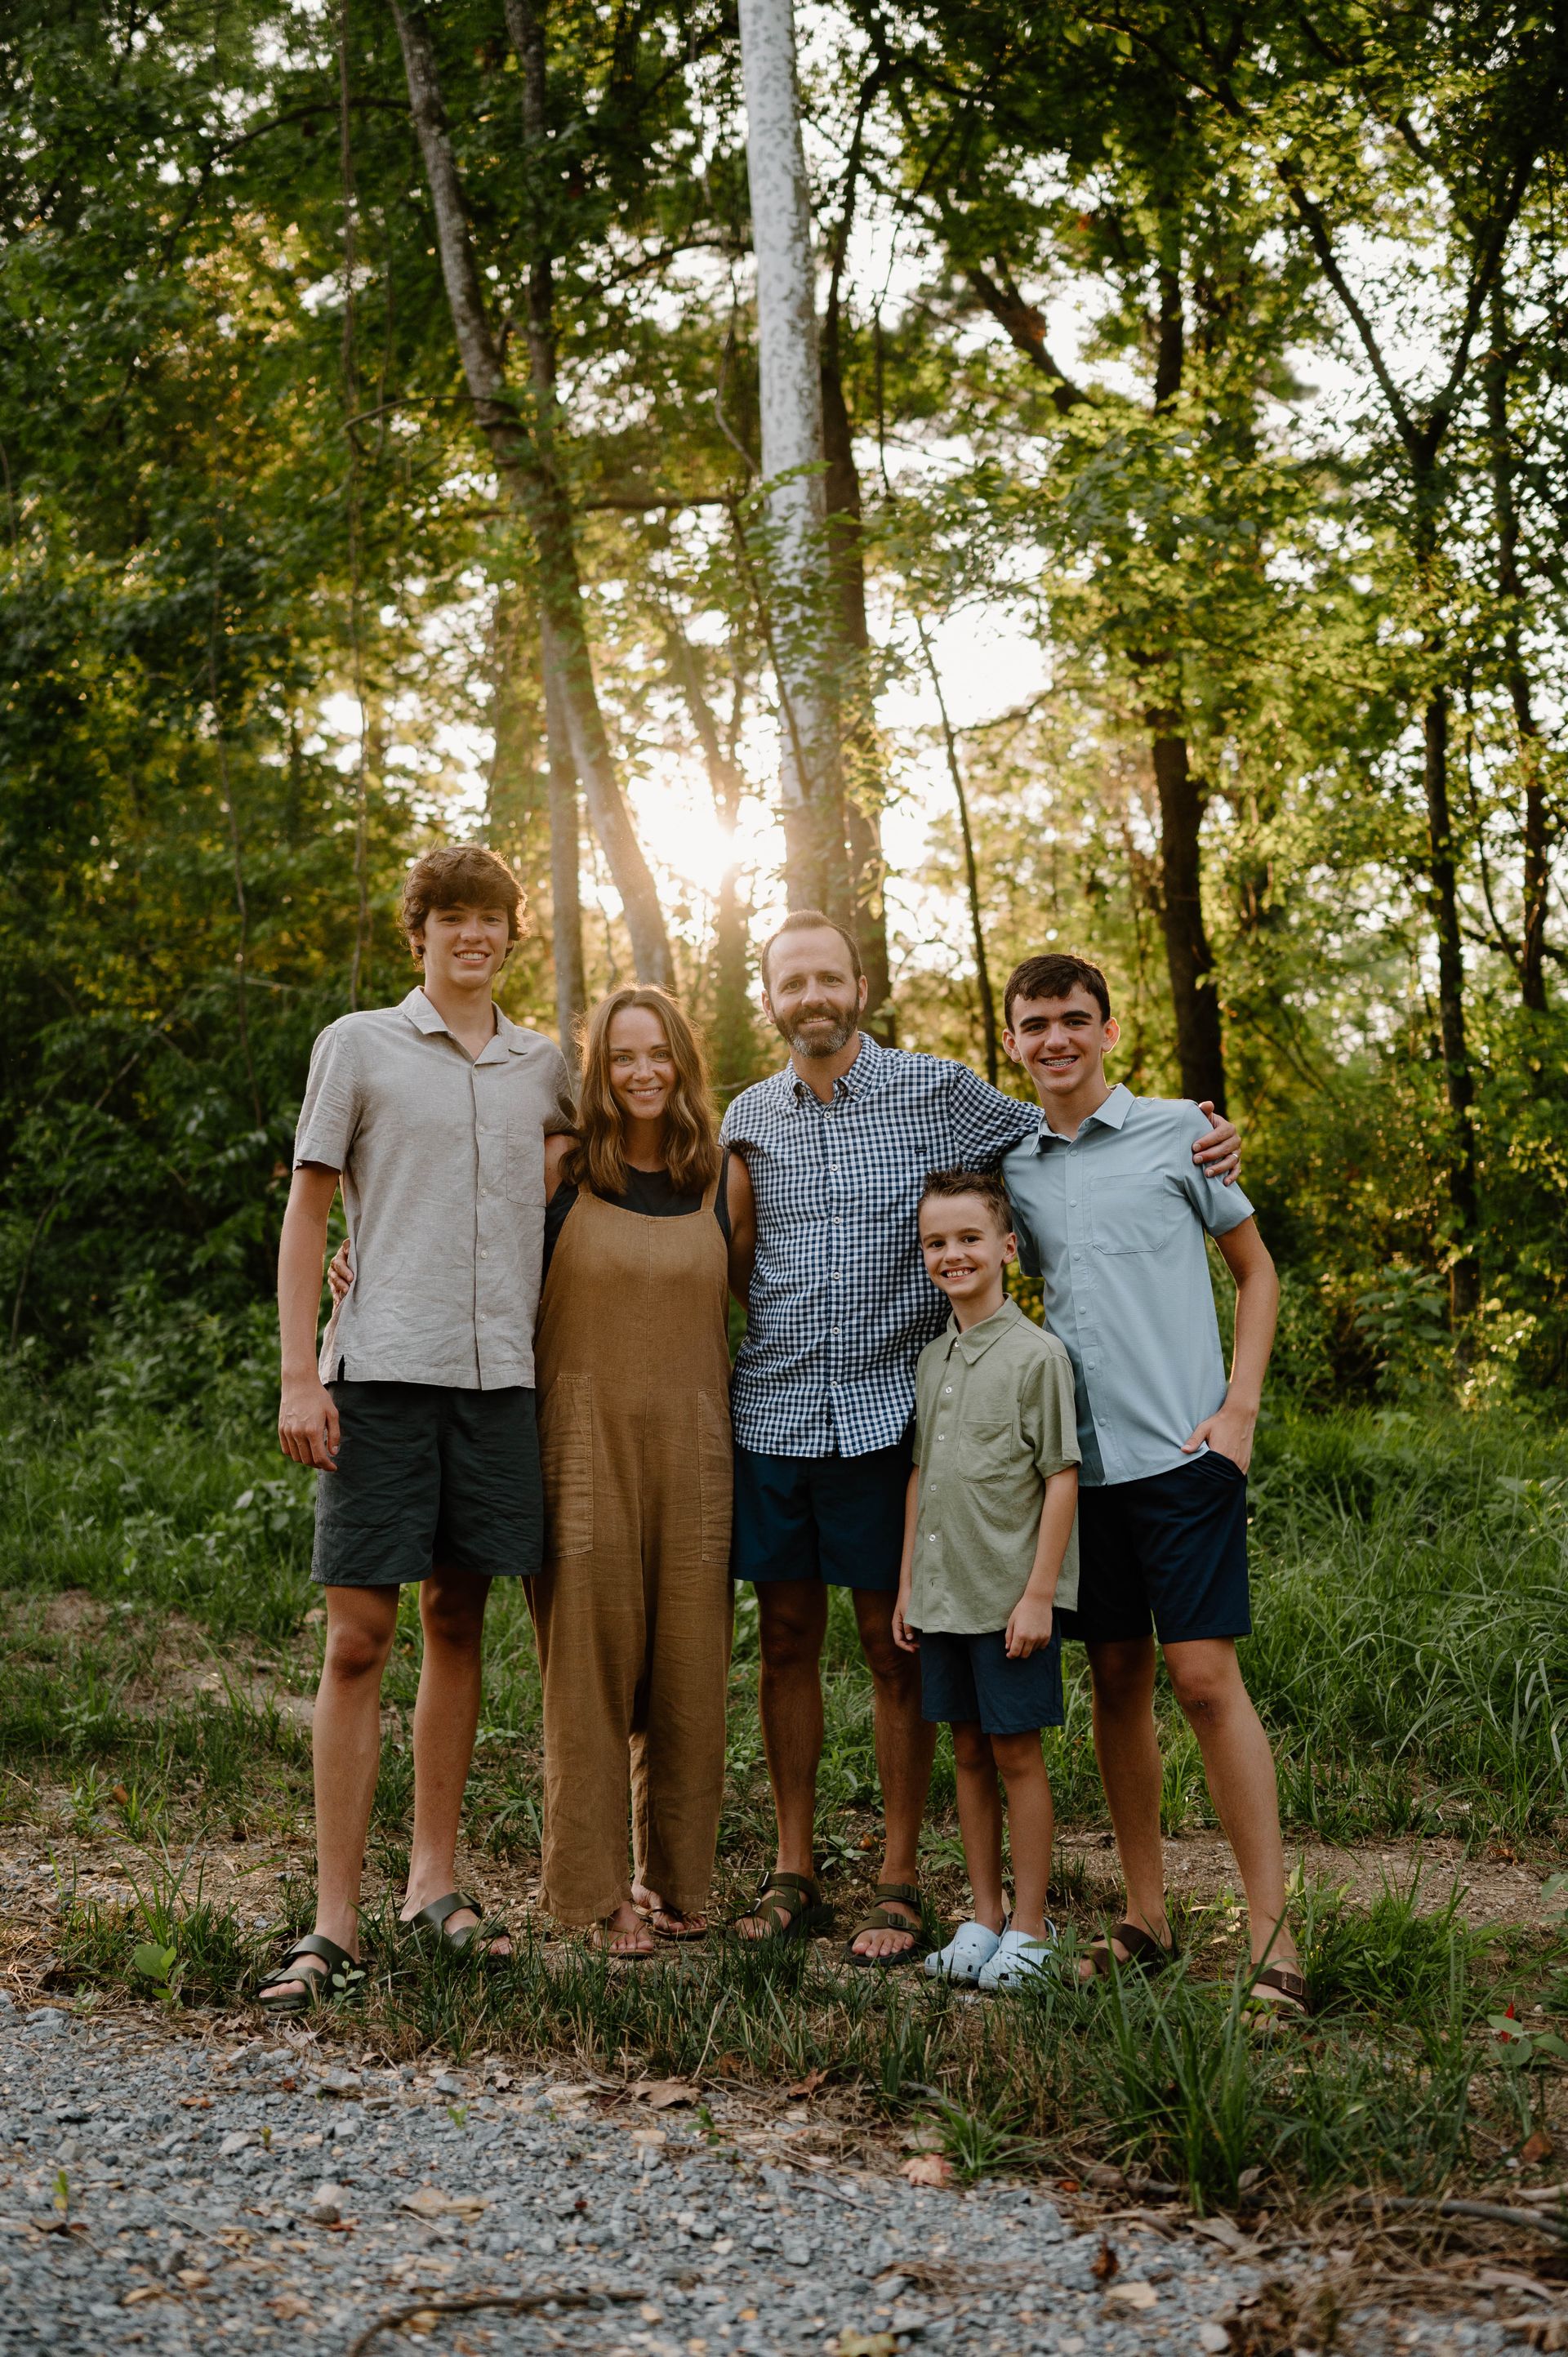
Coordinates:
820 1043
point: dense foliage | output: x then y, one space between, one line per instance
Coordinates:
1219 357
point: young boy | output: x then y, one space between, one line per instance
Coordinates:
989 1553
419 1416
1115 1219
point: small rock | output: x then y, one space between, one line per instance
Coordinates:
445 2083
795 2253
46 2022
235 2141
326 2204
906 2319
1213 2338
342 2082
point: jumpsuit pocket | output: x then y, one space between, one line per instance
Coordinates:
566 1457
716 1476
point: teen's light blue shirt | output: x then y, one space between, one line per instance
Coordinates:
1113 1220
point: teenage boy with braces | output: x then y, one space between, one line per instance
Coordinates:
1112 1214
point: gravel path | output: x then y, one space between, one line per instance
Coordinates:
160 2192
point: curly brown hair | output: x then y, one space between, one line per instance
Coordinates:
459 876
691 1123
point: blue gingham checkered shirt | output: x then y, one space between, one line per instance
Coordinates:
840 1305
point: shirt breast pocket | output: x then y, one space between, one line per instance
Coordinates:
1132 1214
990 1446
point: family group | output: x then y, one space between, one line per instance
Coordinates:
527 1373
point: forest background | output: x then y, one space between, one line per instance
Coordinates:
1193 389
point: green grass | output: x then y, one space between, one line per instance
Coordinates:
1410 1661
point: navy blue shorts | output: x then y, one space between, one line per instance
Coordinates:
836 1519
1166 1554
970 1682
429 1478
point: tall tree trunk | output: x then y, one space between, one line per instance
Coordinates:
1536 840
566 858
1201 1047
530 481
790 400
1188 958
865 788
1464 1187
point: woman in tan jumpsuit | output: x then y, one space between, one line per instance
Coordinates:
632 1609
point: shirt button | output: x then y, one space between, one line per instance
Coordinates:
835 1329
945 1390
484 1255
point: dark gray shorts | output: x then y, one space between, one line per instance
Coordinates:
970 1682
429 1478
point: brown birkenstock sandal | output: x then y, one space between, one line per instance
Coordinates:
1281 1990
1145 1954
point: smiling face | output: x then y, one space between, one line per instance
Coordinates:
965 1249
463 948
641 1063
812 992
1061 1042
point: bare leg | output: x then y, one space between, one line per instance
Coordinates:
1031 1827
979 1820
905 1744
1206 1677
1128 1751
792 1617
446 1719
346 1749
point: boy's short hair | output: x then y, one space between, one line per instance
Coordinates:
459 876
1056 975
807 920
945 1185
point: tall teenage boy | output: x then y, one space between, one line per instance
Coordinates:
419 1417
1112 1215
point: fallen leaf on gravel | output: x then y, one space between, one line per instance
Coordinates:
140 2292
652 2138
1104 2264
431 2202
1536 2147
1134 2295
193 2278
424 2319
865 2345
808 2086
1223 2230
289 2307
928 2168
1539 2331
660 2094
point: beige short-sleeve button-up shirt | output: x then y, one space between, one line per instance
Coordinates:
994 1419
443 1168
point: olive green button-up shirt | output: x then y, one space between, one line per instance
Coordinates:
993 1420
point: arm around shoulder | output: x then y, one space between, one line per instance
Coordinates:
741 1202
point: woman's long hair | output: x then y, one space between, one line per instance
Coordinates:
691 1119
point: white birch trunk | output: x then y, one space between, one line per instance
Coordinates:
791 408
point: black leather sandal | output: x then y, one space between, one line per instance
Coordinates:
316 1989
880 1918
432 1922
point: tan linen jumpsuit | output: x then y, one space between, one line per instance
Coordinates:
632 1609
